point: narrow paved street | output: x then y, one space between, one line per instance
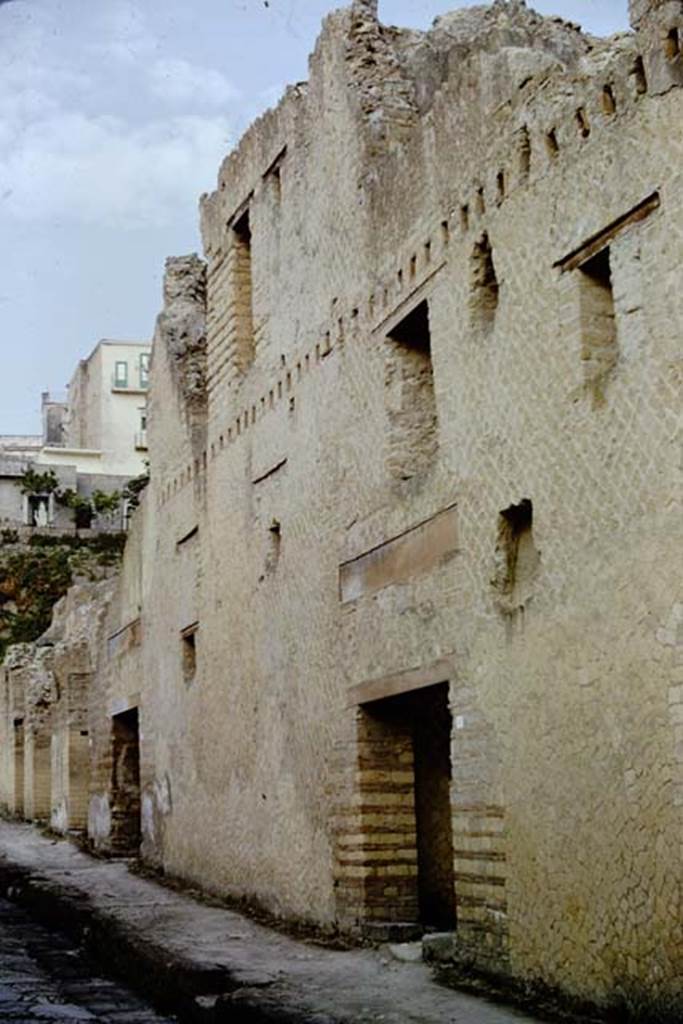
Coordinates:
44 978
212 963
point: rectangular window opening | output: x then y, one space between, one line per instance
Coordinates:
552 144
517 558
609 103
599 349
188 639
409 390
242 292
144 369
583 123
277 183
672 44
121 374
524 152
638 77
485 289
465 217
273 175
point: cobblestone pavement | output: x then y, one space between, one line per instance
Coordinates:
44 978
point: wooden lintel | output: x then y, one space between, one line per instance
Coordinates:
406 305
241 210
603 238
402 682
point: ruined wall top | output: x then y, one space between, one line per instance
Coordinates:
177 399
388 77
182 327
659 24
640 9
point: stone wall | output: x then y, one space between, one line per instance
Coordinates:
158 594
442 275
44 709
414 435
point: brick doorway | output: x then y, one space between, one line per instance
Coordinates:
406 848
431 718
125 807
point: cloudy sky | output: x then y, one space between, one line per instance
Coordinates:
114 116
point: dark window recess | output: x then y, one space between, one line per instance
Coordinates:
583 123
276 180
609 103
241 275
484 286
639 77
409 391
274 546
189 654
672 44
465 217
125 796
524 152
516 557
599 349
551 143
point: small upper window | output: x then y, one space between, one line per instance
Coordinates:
121 374
672 44
189 652
144 370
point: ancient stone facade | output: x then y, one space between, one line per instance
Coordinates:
397 641
44 713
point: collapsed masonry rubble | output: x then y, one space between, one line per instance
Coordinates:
397 639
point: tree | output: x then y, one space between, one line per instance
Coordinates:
33 482
86 509
80 506
104 503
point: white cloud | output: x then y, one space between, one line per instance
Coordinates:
124 34
178 81
62 160
100 170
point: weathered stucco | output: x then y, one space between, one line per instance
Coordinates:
417 422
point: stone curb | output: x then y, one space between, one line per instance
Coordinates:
196 995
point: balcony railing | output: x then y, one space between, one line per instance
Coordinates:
139 383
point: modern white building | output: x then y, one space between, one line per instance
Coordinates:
104 429
94 439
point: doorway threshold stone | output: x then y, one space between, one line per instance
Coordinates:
439 947
380 932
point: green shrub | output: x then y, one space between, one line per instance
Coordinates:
31 583
34 482
36 575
